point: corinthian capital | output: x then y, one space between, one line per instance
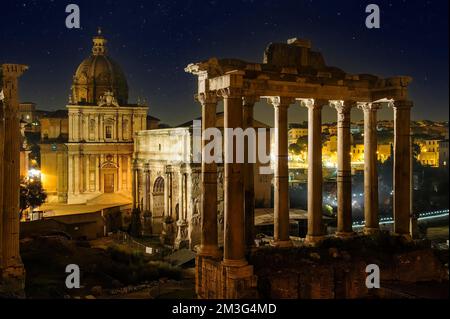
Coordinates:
206 98
402 104
313 103
230 93
342 106
368 106
280 101
249 100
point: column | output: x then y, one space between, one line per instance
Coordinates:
101 133
88 174
145 188
96 130
234 229
168 191
209 235
82 176
2 147
249 178
370 167
150 191
181 223
140 188
85 120
120 171
11 267
281 177
180 194
119 128
134 187
76 163
97 173
344 171
166 194
402 166
171 193
315 226
80 126
70 188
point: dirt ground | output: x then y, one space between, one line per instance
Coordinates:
107 271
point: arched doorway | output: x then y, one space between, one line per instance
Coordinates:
158 197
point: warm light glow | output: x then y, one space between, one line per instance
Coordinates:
32 173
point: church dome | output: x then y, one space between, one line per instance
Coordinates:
97 75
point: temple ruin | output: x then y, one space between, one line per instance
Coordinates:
292 74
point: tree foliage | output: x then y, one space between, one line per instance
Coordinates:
32 194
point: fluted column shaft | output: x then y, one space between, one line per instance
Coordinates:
2 148
281 177
249 178
370 167
344 171
145 188
234 229
134 187
402 167
11 261
315 226
209 236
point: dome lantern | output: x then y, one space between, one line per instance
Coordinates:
99 41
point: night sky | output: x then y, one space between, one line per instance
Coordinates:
153 41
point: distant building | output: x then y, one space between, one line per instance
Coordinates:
384 152
27 111
30 115
54 169
429 153
443 154
87 150
24 151
152 122
296 131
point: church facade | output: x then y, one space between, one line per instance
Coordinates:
101 126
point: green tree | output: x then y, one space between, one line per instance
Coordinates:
295 148
32 194
303 143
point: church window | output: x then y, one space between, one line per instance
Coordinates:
91 126
108 132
